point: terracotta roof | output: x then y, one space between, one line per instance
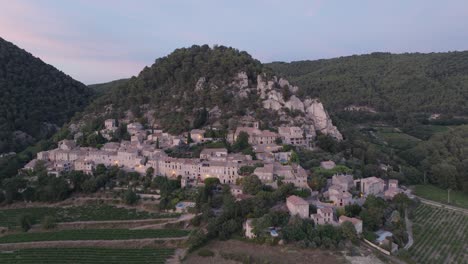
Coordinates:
296 200
326 210
353 220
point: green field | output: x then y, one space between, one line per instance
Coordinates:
9 217
86 255
440 236
93 234
434 193
398 140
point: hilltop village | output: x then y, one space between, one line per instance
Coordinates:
148 151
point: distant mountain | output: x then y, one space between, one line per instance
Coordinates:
203 86
35 98
398 83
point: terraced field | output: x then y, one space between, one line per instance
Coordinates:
86 255
440 236
8 217
93 234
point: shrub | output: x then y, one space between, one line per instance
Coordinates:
130 197
25 222
48 222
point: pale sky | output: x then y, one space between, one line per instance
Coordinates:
102 40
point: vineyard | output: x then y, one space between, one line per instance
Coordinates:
93 234
86 255
9 217
440 236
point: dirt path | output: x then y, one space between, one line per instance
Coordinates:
178 255
182 218
437 204
409 230
126 243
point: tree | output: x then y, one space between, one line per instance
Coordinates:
25 221
251 184
402 201
197 238
200 118
352 210
241 143
130 197
294 157
149 172
349 231
246 170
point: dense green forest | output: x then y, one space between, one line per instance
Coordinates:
443 158
101 88
392 83
169 87
35 98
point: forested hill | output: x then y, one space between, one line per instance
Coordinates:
35 98
182 87
397 83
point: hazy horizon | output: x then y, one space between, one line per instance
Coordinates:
96 42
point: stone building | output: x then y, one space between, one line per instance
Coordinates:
297 206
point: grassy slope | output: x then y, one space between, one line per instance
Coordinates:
434 193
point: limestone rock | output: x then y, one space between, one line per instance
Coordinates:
283 82
262 85
241 80
314 118
322 122
200 84
272 104
295 103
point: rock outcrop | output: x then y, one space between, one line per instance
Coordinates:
312 112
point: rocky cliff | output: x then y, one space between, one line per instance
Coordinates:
308 113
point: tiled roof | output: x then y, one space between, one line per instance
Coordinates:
296 200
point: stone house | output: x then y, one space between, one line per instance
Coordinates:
344 180
372 185
66 144
324 215
134 128
297 206
110 124
197 135
357 223
295 136
392 189
339 196
256 136
84 165
219 154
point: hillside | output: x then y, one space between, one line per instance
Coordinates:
36 98
202 86
100 88
395 83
